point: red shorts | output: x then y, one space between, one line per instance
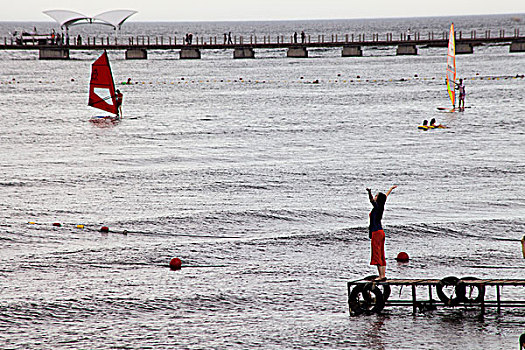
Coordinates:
378 248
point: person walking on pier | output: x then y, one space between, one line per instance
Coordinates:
230 42
303 37
376 233
225 38
295 38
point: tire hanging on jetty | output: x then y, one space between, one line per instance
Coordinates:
365 298
459 291
386 288
468 298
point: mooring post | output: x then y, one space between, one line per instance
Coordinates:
414 299
498 298
482 301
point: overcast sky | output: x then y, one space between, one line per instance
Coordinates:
239 10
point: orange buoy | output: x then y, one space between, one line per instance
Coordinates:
104 229
57 224
402 257
175 264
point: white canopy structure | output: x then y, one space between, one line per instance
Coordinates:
66 18
115 18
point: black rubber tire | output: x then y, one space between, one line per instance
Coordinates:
354 302
365 298
458 291
386 288
386 292
480 288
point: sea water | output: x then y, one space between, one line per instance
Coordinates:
255 177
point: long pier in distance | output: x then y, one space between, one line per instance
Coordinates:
351 45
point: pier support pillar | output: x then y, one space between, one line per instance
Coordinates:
464 48
136 54
190 54
406 49
352 51
517 46
243 52
298 51
53 54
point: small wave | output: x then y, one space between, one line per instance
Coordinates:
12 183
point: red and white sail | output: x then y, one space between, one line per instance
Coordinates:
101 86
451 66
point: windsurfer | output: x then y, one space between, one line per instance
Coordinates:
119 98
461 89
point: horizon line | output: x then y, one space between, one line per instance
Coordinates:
292 19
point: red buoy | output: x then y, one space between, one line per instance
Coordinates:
104 229
175 264
57 224
402 257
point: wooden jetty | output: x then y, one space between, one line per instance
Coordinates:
352 45
366 296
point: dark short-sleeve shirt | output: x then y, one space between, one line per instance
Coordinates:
375 217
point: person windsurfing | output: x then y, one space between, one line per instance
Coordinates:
461 89
118 103
102 93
